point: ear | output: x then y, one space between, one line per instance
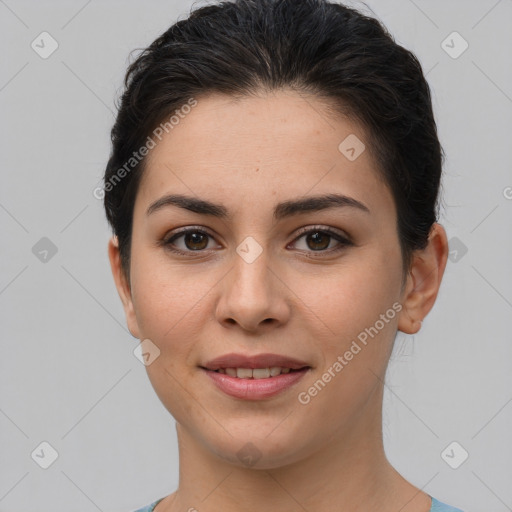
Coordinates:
123 286
423 281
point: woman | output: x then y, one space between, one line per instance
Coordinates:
273 192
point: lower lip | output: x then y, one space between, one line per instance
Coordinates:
255 389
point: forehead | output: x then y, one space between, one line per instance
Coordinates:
276 146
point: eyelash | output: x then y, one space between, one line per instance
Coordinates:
343 242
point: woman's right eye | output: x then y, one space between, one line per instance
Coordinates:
192 240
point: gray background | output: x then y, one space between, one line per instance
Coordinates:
68 374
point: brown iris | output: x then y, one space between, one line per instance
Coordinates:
196 241
316 237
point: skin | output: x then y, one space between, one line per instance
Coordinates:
248 155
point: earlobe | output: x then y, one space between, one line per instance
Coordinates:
424 281
122 285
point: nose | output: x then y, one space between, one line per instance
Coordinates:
253 296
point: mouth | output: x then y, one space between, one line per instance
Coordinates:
254 377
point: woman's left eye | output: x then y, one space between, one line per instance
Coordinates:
319 240
316 240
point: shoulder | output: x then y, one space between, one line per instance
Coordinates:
439 506
149 508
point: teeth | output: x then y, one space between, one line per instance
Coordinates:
260 373
275 370
256 373
244 373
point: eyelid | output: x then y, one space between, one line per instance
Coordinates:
186 229
324 229
183 231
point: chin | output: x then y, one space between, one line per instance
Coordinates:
247 450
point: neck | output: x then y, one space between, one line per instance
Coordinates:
348 472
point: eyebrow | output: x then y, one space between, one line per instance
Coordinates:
281 210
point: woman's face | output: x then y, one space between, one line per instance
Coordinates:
264 277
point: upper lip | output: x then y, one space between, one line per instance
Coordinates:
256 361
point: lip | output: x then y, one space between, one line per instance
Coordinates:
234 360
255 389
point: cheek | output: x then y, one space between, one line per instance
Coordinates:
172 305
358 313
168 308
353 297
355 351
161 291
